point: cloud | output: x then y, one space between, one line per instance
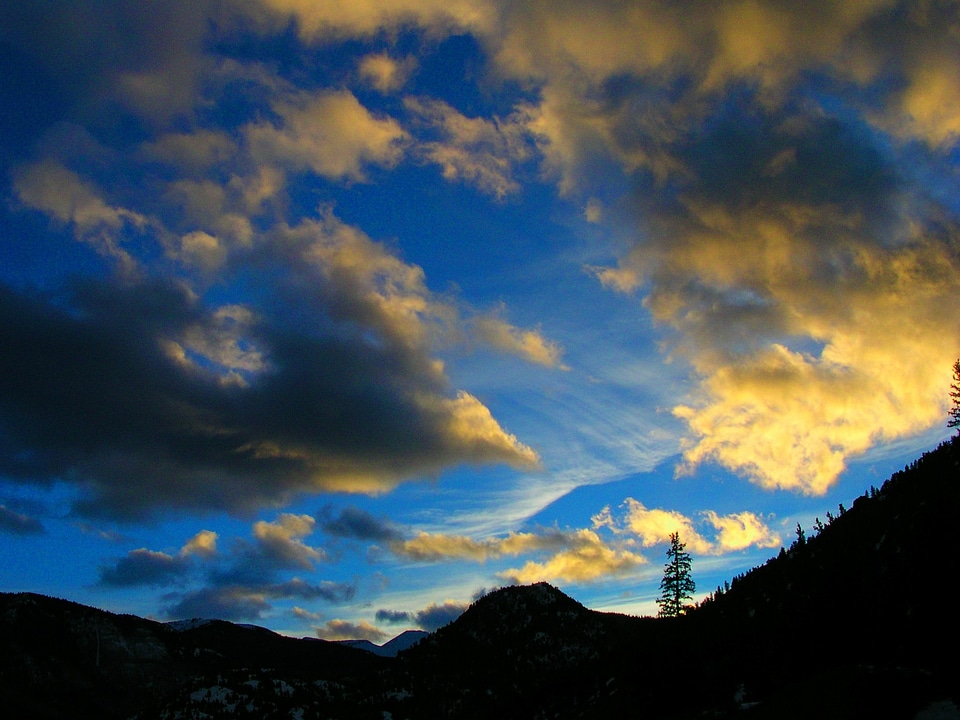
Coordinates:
528 344
431 618
51 188
778 245
203 544
329 133
385 73
474 150
219 603
280 542
741 530
148 59
150 412
306 615
587 558
276 547
249 601
192 152
16 523
575 555
346 630
358 524
805 299
735 531
145 567
655 526
323 21
438 546
393 617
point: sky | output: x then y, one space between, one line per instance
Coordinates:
329 317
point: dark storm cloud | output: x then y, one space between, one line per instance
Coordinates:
145 567
146 399
17 523
358 524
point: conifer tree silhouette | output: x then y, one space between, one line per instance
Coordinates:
953 420
676 586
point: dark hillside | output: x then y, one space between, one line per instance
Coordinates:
60 659
865 596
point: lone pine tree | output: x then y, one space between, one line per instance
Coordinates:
676 586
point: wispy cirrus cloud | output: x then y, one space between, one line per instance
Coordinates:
17 523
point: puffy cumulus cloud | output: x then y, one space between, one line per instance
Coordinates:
330 134
386 73
528 344
322 21
346 630
622 82
909 55
145 567
150 567
203 544
474 150
739 531
803 284
655 526
16 523
281 541
734 532
587 558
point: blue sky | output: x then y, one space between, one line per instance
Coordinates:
330 316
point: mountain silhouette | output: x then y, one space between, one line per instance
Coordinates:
854 620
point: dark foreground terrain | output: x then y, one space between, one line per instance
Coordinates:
852 621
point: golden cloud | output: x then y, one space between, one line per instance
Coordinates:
59 192
385 73
329 133
204 544
323 20
283 539
346 630
475 150
739 531
655 526
587 559
528 344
